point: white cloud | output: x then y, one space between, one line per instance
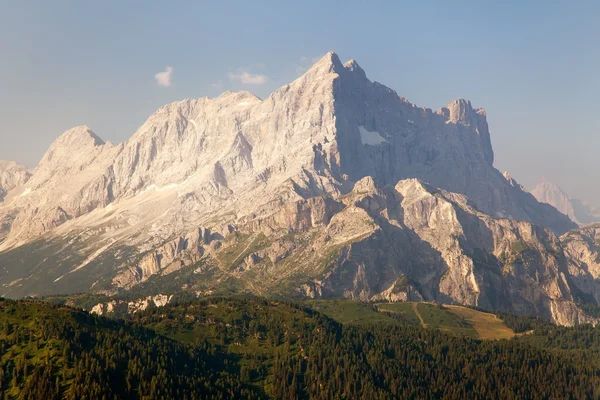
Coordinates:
164 78
248 78
217 85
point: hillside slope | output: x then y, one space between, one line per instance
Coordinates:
256 348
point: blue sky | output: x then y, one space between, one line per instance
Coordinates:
534 66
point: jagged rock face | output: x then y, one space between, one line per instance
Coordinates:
12 175
299 177
384 136
445 250
582 247
121 307
578 211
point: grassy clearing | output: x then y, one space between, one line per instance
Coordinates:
404 309
350 311
439 317
488 326
456 320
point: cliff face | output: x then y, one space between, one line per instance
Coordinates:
209 180
415 242
582 247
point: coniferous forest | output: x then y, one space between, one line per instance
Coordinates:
223 348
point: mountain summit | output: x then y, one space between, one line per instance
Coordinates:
332 186
577 210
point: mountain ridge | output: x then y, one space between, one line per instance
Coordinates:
203 179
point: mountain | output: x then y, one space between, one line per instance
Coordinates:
577 210
332 186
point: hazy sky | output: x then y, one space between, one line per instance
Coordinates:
534 66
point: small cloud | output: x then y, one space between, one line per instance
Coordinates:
164 78
217 85
248 78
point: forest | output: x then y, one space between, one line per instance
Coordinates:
254 348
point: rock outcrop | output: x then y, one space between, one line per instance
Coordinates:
121 307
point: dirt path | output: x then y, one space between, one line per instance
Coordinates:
423 324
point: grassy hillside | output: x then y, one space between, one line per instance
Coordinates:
456 320
350 311
486 325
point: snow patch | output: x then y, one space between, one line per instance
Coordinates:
369 138
26 192
243 103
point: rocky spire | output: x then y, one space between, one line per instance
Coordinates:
352 66
329 63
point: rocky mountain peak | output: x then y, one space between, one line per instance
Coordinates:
579 211
550 189
72 143
329 63
460 111
331 154
74 150
352 66
78 136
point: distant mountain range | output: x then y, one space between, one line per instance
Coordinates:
580 212
333 186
